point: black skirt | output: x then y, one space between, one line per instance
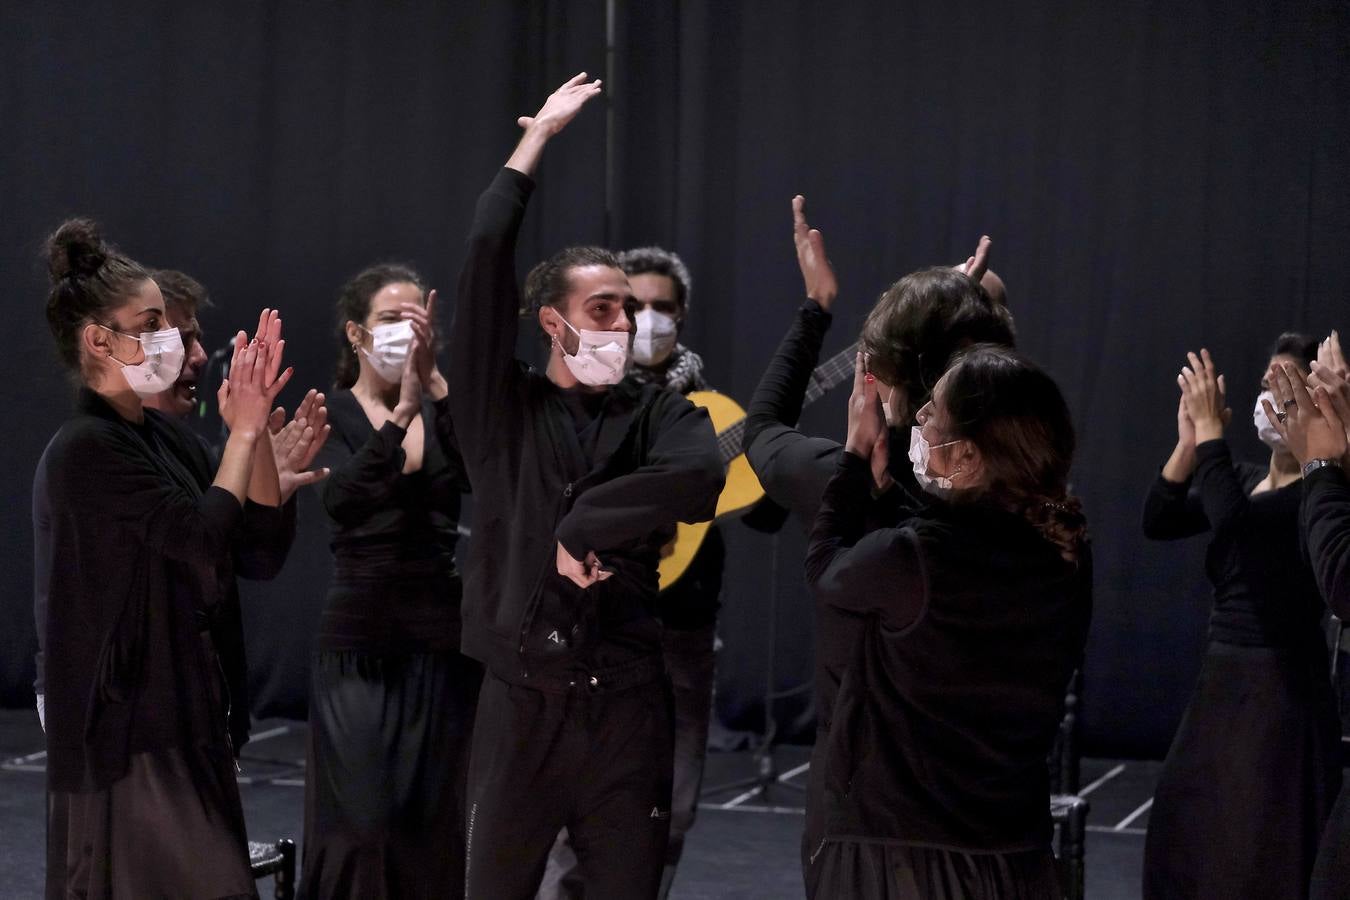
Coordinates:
172 826
1249 780
855 870
388 759
1331 875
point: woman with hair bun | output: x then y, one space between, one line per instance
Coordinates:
977 607
392 700
1254 767
142 799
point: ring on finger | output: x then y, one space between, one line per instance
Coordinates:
1290 402
1281 416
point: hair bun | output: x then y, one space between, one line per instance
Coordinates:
75 249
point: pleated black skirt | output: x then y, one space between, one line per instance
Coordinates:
1249 781
854 870
388 762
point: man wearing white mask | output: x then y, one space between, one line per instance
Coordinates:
660 285
579 477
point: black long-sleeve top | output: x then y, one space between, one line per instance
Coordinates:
652 461
394 534
973 625
1326 525
259 553
795 468
1264 592
142 551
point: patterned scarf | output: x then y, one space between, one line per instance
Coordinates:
682 372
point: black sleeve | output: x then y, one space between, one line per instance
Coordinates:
102 467
445 436
680 480
1326 524
1172 510
483 367
845 567
792 467
266 539
1221 492
360 483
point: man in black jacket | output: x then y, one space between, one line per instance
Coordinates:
579 478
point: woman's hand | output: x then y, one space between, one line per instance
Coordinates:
562 105
1310 423
296 443
1185 427
1329 356
246 396
817 273
424 329
1205 397
975 266
409 389
868 436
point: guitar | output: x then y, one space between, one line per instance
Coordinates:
742 489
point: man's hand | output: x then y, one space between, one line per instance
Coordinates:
975 266
583 573
296 443
817 273
560 108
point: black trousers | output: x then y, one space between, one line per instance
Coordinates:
595 762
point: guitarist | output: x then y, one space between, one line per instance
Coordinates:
913 331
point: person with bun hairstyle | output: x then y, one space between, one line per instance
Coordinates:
976 608
141 791
1254 767
391 699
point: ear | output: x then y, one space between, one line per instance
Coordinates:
548 322
969 461
355 335
96 341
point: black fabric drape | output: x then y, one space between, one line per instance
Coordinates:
1154 177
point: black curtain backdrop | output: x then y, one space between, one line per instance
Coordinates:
1155 177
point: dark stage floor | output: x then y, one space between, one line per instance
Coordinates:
740 849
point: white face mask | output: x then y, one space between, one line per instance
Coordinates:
601 357
164 354
1265 429
655 337
919 453
886 412
389 348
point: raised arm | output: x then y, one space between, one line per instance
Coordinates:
483 334
1172 509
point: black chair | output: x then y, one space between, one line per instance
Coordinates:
275 859
1068 811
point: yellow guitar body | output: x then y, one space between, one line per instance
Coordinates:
741 492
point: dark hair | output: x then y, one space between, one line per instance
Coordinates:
181 291
89 279
354 306
659 261
1015 414
922 321
548 282
1299 346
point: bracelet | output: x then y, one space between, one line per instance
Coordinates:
1313 465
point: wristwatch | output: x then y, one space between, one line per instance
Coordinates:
1313 465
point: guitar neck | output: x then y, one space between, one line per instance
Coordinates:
828 374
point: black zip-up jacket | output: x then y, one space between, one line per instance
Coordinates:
1326 526
655 462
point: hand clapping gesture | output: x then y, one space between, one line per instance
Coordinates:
867 434
817 273
423 320
296 443
1312 423
247 395
1204 397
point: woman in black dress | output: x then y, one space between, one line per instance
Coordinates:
392 701
1253 770
976 612
142 799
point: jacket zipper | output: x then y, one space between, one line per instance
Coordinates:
528 619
